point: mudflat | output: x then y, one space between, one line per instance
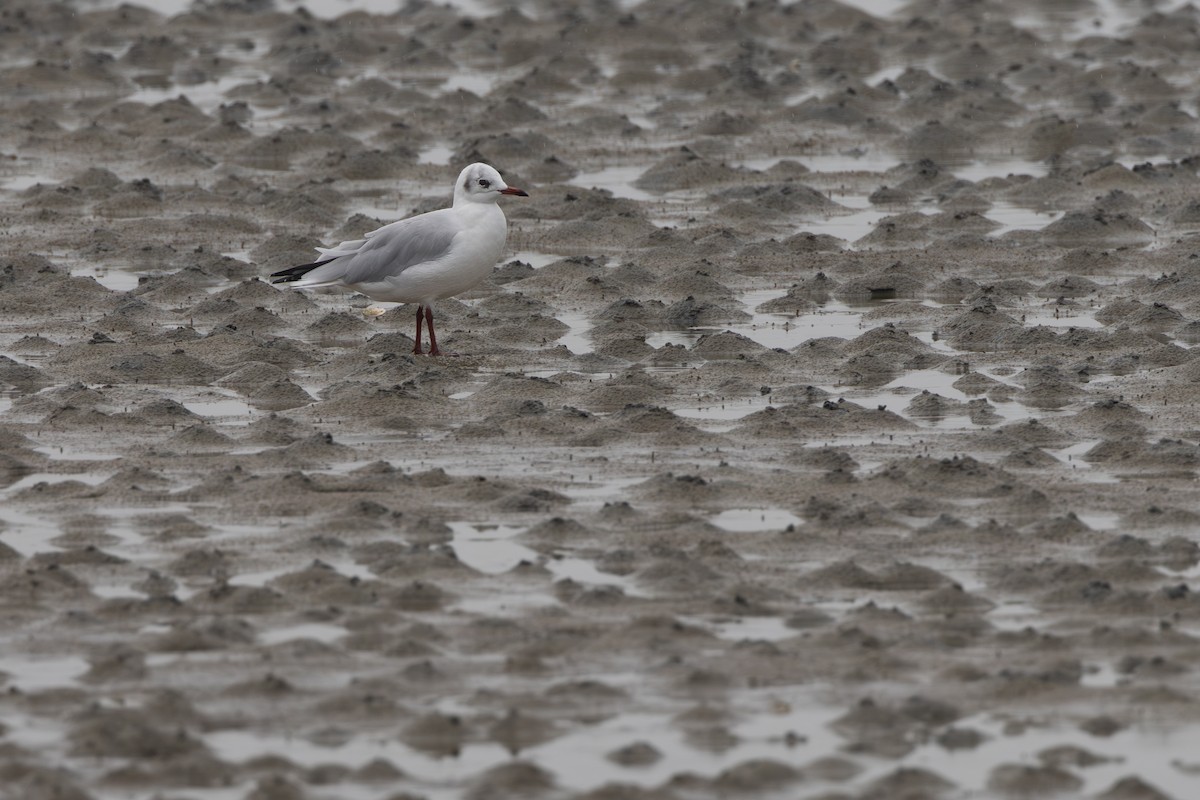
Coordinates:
830 428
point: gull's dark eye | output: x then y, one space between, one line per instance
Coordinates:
485 183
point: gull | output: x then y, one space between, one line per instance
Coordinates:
423 258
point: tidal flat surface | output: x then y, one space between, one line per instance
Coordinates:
830 428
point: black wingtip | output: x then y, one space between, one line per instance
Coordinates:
296 273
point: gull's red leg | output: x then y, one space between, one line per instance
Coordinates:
417 344
433 348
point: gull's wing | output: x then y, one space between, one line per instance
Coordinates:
387 251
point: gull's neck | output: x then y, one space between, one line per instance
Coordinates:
462 199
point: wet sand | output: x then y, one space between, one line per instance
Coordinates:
829 430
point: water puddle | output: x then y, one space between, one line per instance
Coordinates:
438 154
510 602
786 726
227 406
723 410
1015 218
29 673
983 169
583 571
739 629
475 82
865 159
33 479
754 520
61 453
116 592
878 8
260 578
195 657
23 181
535 259
1013 616
775 330
1086 471
847 227
1100 676
900 393
619 181
591 494
1099 520
864 216
1109 18
30 534
1153 754
332 9
317 631
349 569
124 523
786 331
209 96
1061 316
117 280
439 778
489 549
383 209
577 338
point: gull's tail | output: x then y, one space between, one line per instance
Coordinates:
296 273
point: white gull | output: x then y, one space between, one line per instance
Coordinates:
423 258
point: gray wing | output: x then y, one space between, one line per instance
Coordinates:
389 250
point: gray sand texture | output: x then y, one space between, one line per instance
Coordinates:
830 428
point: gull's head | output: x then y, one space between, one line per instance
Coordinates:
480 183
